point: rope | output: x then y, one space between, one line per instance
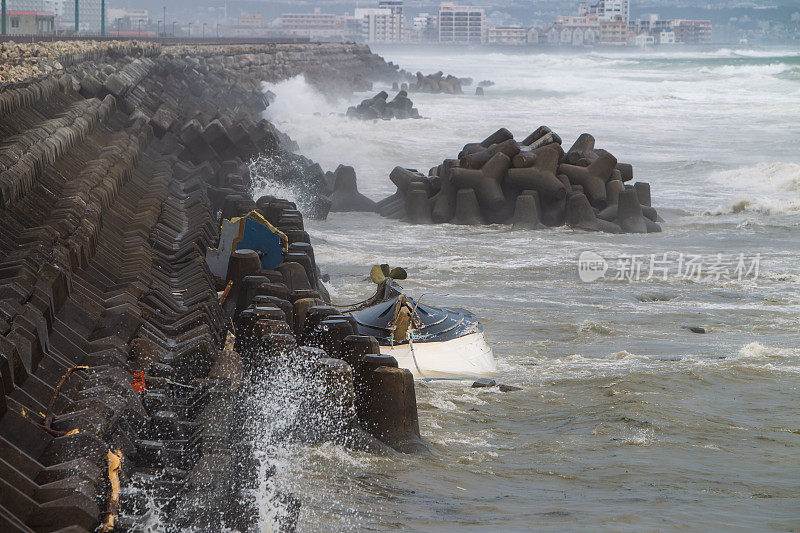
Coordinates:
411 337
414 356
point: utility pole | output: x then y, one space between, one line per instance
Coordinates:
103 19
77 26
3 23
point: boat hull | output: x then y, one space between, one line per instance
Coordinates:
466 357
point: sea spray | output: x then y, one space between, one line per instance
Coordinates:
300 401
295 98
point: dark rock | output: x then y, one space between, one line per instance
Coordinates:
345 195
483 383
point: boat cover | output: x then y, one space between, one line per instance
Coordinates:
431 324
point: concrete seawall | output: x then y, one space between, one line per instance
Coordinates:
116 161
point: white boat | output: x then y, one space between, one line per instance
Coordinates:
431 342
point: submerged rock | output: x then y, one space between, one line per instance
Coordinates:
401 107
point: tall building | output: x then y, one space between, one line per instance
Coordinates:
608 10
461 24
380 25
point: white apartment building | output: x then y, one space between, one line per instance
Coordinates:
380 25
461 24
666 37
424 28
608 10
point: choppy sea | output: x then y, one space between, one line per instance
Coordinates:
626 419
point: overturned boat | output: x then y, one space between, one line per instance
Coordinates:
432 342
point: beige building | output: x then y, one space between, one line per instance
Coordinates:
614 32
507 35
461 24
380 25
316 25
29 22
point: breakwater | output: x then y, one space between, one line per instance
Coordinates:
127 368
531 184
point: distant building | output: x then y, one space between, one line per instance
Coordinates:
398 17
461 24
652 25
608 10
380 25
251 21
424 28
128 19
29 22
353 28
676 31
88 16
395 6
692 31
316 25
507 35
613 32
575 31
56 7
666 37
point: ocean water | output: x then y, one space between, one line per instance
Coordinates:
626 419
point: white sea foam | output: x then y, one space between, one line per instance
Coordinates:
767 188
758 350
770 69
